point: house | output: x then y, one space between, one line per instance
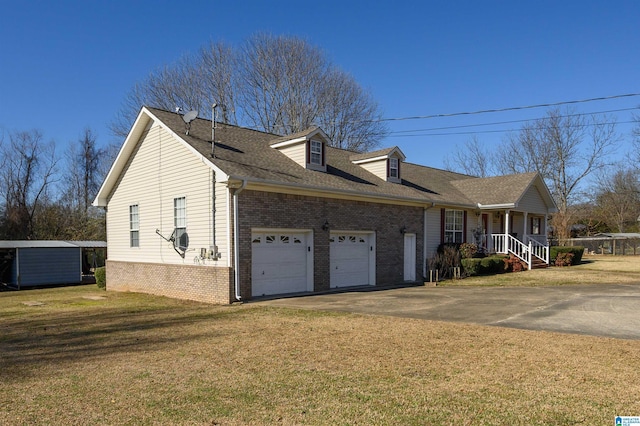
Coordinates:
30 263
258 214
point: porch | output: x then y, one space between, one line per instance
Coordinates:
522 234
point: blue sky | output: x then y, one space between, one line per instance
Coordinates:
66 65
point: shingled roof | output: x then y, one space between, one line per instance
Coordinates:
243 153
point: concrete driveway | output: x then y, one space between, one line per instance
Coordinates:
598 310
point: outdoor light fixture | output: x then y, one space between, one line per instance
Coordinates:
403 230
325 226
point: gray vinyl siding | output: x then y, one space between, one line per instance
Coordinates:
44 266
433 231
532 202
160 170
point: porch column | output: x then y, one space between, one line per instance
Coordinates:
524 230
506 224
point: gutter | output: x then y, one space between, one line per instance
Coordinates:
353 195
236 238
497 206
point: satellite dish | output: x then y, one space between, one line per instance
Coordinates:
190 116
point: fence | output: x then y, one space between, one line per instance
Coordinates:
606 245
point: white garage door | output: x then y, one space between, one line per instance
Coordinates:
350 259
279 263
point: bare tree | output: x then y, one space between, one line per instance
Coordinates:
29 169
276 84
565 148
617 198
82 177
472 159
348 114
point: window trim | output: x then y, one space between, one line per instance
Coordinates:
318 152
452 230
178 220
183 209
134 226
536 222
395 167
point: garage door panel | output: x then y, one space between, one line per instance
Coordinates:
279 263
283 270
350 259
266 257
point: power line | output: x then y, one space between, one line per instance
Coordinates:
485 111
497 131
510 121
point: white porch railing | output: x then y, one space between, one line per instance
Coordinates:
539 249
507 244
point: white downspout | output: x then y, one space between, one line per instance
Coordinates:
236 239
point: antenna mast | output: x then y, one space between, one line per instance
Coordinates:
213 130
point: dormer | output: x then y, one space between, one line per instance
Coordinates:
384 163
307 148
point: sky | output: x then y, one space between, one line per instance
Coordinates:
68 65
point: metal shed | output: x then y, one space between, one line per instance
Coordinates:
35 263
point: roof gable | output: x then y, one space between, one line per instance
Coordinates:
302 136
504 191
378 155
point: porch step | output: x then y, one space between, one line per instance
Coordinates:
538 263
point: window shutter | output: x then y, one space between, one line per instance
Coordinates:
324 160
388 167
464 227
399 175
441 226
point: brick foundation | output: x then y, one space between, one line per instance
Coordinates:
209 284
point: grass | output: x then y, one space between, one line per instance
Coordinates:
593 270
133 359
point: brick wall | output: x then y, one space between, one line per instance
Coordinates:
272 210
210 284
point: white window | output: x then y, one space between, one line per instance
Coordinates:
453 226
180 212
180 223
393 168
134 226
316 152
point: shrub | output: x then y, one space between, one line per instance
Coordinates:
492 264
101 277
577 252
485 266
446 258
468 250
514 264
471 266
564 259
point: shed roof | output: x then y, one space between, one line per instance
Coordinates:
50 244
35 244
